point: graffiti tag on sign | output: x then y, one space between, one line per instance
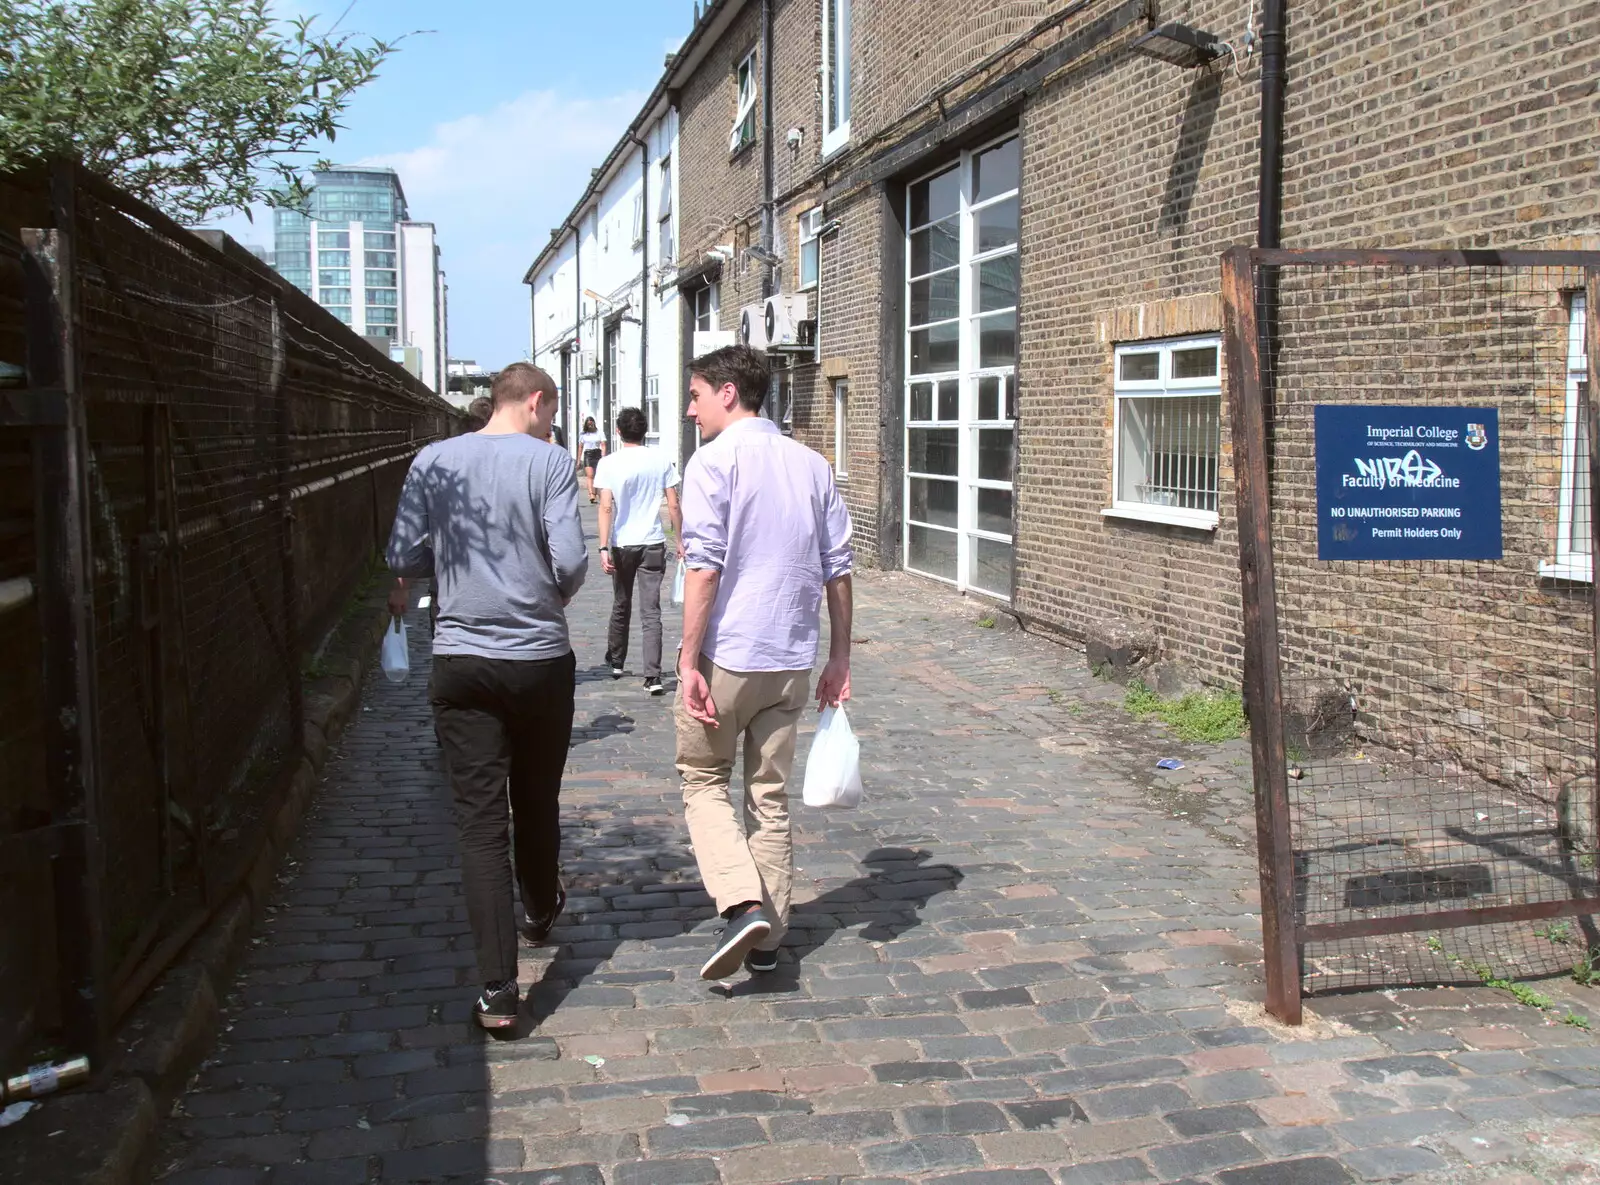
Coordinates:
1401 482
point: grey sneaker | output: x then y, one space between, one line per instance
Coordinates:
738 936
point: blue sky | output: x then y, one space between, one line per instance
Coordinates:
493 121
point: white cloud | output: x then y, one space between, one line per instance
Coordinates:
494 184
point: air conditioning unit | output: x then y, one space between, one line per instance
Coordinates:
785 324
753 326
706 340
587 362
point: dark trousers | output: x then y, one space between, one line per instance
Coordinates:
505 725
648 565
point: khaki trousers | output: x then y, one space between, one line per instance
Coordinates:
745 851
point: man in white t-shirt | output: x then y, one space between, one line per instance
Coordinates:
632 482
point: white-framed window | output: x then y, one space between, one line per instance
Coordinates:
1574 541
652 410
836 44
963 278
780 396
638 219
810 247
705 308
665 253
1167 450
841 428
744 116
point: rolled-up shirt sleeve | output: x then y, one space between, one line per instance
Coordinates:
838 557
410 551
705 515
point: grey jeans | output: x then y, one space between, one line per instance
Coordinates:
648 565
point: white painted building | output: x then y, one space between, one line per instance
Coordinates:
605 306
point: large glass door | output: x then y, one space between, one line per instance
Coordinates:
962 278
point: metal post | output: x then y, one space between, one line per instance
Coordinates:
1591 348
291 586
1263 688
66 621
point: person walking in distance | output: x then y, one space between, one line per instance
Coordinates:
592 444
493 516
766 537
633 547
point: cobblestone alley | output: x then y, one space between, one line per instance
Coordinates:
1016 963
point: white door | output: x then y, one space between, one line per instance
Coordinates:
962 281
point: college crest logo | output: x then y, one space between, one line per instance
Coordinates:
1476 437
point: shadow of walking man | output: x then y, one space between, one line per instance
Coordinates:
886 903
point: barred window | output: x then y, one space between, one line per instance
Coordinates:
1168 432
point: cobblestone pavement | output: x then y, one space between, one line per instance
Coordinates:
1022 960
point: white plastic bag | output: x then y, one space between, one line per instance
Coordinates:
395 657
833 770
677 585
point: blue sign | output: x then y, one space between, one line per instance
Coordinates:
1408 483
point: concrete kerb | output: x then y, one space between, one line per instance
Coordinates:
115 1128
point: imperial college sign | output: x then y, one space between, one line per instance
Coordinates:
1408 483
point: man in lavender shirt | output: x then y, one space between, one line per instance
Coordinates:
765 537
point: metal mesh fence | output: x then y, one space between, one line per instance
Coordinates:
1439 714
243 456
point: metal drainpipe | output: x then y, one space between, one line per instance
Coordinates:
577 323
766 143
644 277
1269 215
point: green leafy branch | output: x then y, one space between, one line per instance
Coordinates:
196 106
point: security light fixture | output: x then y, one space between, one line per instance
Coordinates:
763 256
1179 45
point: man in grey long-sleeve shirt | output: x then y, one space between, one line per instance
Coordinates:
493 517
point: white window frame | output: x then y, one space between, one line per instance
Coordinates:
638 219
1573 563
810 244
747 86
1163 386
969 375
652 410
665 246
713 307
837 44
841 441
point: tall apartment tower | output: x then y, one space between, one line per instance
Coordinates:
356 252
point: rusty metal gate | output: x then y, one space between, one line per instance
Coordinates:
1424 729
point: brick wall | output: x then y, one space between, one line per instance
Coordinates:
1135 176
1410 123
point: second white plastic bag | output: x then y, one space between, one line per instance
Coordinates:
833 770
677 585
395 657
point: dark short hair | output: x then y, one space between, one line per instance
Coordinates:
631 424
478 413
519 380
745 368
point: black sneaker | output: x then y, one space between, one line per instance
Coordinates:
497 1006
738 936
617 672
759 962
536 929
654 685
